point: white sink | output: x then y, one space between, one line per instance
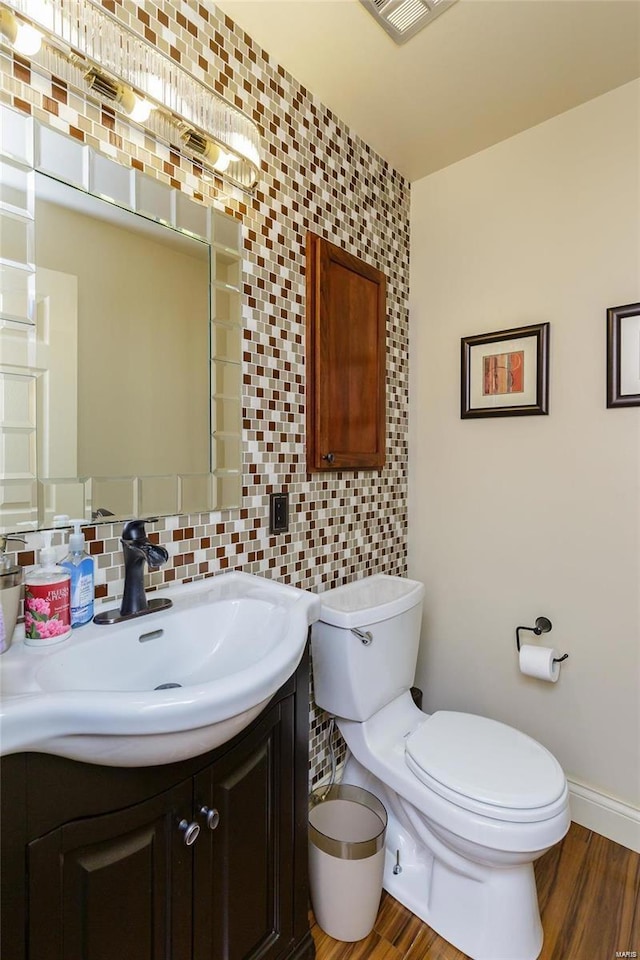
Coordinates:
229 642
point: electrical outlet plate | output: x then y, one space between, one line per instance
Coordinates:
278 513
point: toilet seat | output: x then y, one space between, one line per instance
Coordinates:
486 767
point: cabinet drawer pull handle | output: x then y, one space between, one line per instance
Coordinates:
212 817
190 831
329 457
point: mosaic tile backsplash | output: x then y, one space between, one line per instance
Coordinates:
316 175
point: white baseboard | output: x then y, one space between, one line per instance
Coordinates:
614 819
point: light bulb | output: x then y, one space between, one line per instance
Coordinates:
223 161
141 110
27 41
134 106
23 38
217 157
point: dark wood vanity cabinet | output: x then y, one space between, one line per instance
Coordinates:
95 863
243 868
117 885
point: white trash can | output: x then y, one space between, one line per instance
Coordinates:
347 827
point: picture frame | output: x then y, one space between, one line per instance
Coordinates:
623 356
505 373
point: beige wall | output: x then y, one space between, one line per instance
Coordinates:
512 518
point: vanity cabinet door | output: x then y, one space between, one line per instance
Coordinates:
243 860
114 887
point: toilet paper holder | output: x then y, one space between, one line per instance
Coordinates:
543 625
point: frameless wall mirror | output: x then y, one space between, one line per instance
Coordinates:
120 339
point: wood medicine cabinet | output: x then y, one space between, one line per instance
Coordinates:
346 360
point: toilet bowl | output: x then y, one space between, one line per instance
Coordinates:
471 802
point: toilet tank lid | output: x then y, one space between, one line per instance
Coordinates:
369 600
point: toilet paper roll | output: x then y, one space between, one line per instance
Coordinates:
538 662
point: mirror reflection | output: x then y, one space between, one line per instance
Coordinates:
120 341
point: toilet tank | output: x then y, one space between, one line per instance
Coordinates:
352 679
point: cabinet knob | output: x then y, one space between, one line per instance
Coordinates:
212 817
329 457
190 831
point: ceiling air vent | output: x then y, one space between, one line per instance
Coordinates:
402 19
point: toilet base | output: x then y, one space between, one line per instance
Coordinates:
489 912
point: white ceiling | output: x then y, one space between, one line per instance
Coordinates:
481 72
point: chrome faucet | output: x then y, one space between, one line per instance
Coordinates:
136 549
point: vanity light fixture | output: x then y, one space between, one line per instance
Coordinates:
82 44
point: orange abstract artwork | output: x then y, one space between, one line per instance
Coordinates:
503 373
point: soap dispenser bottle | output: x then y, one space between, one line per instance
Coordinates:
47 614
10 588
80 567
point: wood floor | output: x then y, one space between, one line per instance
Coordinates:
589 895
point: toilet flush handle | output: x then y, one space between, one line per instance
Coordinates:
365 635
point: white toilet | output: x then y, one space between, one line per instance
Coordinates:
471 802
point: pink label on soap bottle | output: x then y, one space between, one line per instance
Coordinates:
47 610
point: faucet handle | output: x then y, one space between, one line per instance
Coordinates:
134 538
134 530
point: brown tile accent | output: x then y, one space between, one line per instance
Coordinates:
21 104
21 70
59 91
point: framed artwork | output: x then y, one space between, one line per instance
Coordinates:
623 356
506 373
